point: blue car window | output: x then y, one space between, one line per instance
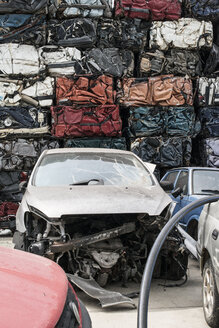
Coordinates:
171 177
182 182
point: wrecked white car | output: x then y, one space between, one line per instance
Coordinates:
97 212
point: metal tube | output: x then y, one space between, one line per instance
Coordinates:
149 268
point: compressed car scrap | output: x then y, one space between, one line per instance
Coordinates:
23 6
209 117
186 33
93 8
209 149
161 90
202 8
163 151
97 142
86 121
125 34
23 28
178 62
207 98
172 121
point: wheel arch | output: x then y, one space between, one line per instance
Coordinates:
204 257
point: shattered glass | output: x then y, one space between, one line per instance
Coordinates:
70 169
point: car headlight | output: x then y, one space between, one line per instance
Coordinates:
34 210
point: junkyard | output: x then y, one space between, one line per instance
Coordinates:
109 163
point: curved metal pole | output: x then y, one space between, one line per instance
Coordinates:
149 268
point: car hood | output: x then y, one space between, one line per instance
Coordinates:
33 290
57 201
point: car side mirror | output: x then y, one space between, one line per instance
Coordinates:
23 186
177 192
166 185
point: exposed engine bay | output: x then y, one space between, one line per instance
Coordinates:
105 247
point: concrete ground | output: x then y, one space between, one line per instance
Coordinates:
170 307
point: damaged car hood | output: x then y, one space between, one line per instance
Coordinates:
54 202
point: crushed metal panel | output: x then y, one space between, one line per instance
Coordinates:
107 298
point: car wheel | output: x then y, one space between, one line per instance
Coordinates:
210 296
86 321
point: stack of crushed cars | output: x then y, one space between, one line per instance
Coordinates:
124 74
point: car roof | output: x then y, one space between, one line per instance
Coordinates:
88 150
194 168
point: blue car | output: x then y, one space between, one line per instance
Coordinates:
188 184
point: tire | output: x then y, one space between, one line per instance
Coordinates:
210 296
86 320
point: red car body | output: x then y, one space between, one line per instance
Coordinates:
33 291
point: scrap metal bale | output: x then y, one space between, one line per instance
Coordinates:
209 150
166 90
27 91
151 9
209 117
22 154
177 62
202 8
9 185
146 121
124 34
23 120
186 33
75 32
86 121
82 8
165 152
111 61
23 6
155 121
23 29
85 90
60 60
208 91
20 59
101 142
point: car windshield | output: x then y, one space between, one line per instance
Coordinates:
74 169
205 181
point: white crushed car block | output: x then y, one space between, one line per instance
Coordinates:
186 33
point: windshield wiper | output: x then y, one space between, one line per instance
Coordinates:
213 191
86 182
